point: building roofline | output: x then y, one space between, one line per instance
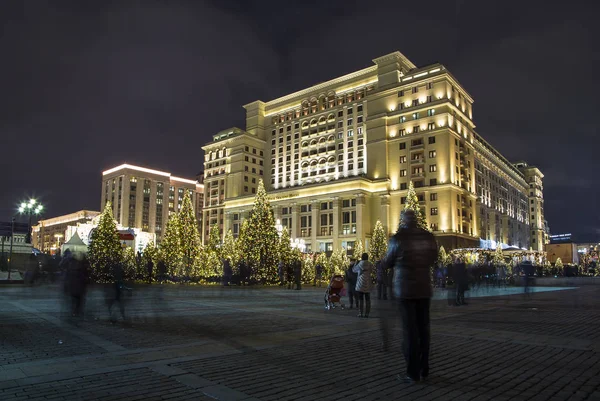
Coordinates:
126 166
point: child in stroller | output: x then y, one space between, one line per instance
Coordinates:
335 290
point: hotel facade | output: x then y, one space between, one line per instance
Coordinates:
144 198
338 156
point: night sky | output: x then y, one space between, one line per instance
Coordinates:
87 85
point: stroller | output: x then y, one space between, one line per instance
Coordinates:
335 290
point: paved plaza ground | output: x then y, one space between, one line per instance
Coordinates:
206 343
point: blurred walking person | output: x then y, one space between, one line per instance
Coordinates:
115 293
318 274
364 269
461 278
227 272
382 281
350 279
412 251
298 273
528 271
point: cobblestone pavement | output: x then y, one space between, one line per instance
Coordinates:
206 343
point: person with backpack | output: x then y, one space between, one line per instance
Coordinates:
411 252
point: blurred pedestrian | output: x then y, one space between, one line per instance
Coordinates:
227 272
281 273
350 279
528 271
318 274
298 273
289 274
364 269
412 251
461 279
115 293
381 281
149 269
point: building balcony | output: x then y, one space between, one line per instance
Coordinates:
416 147
418 175
420 160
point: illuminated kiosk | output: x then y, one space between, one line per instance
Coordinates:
129 237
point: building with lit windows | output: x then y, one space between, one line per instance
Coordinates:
144 198
49 234
338 156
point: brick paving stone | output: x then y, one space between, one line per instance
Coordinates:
273 344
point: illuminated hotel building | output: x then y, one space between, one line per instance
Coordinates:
338 156
145 198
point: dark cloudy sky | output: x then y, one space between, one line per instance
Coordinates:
85 85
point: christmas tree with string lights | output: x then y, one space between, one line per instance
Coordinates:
129 264
308 268
378 244
212 254
150 254
285 247
443 257
412 203
339 261
262 235
359 249
230 250
324 262
105 251
189 238
170 247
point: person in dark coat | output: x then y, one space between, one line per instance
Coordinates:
117 293
350 279
461 280
298 273
149 269
227 272
281 273
289 268
382 280
162 270
528 272
412 251
318 274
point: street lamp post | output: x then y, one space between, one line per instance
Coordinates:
30 208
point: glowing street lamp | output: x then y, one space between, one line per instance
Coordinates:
30 208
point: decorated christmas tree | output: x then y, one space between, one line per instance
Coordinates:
324 262
150 254
339 261
378 244
262 236
359 249
558 264
412 203
129 264
170 248
230 251
212 254
189 238
443 257
308 269
285 247
105 249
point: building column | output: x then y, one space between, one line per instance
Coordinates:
227 223
336 222
295 230
384 212
315 224
360 212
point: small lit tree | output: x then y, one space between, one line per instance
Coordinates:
150 254
324 262
170 248
129 263
359 249
105 249
285 247
378 244
308 269
339 261
229 250
412 203
263 237
558 264
212 253
188 236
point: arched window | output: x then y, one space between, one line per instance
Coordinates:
304 144
330 118
313 142
322 139
305 125
313 163
331 138
313 122
322 120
